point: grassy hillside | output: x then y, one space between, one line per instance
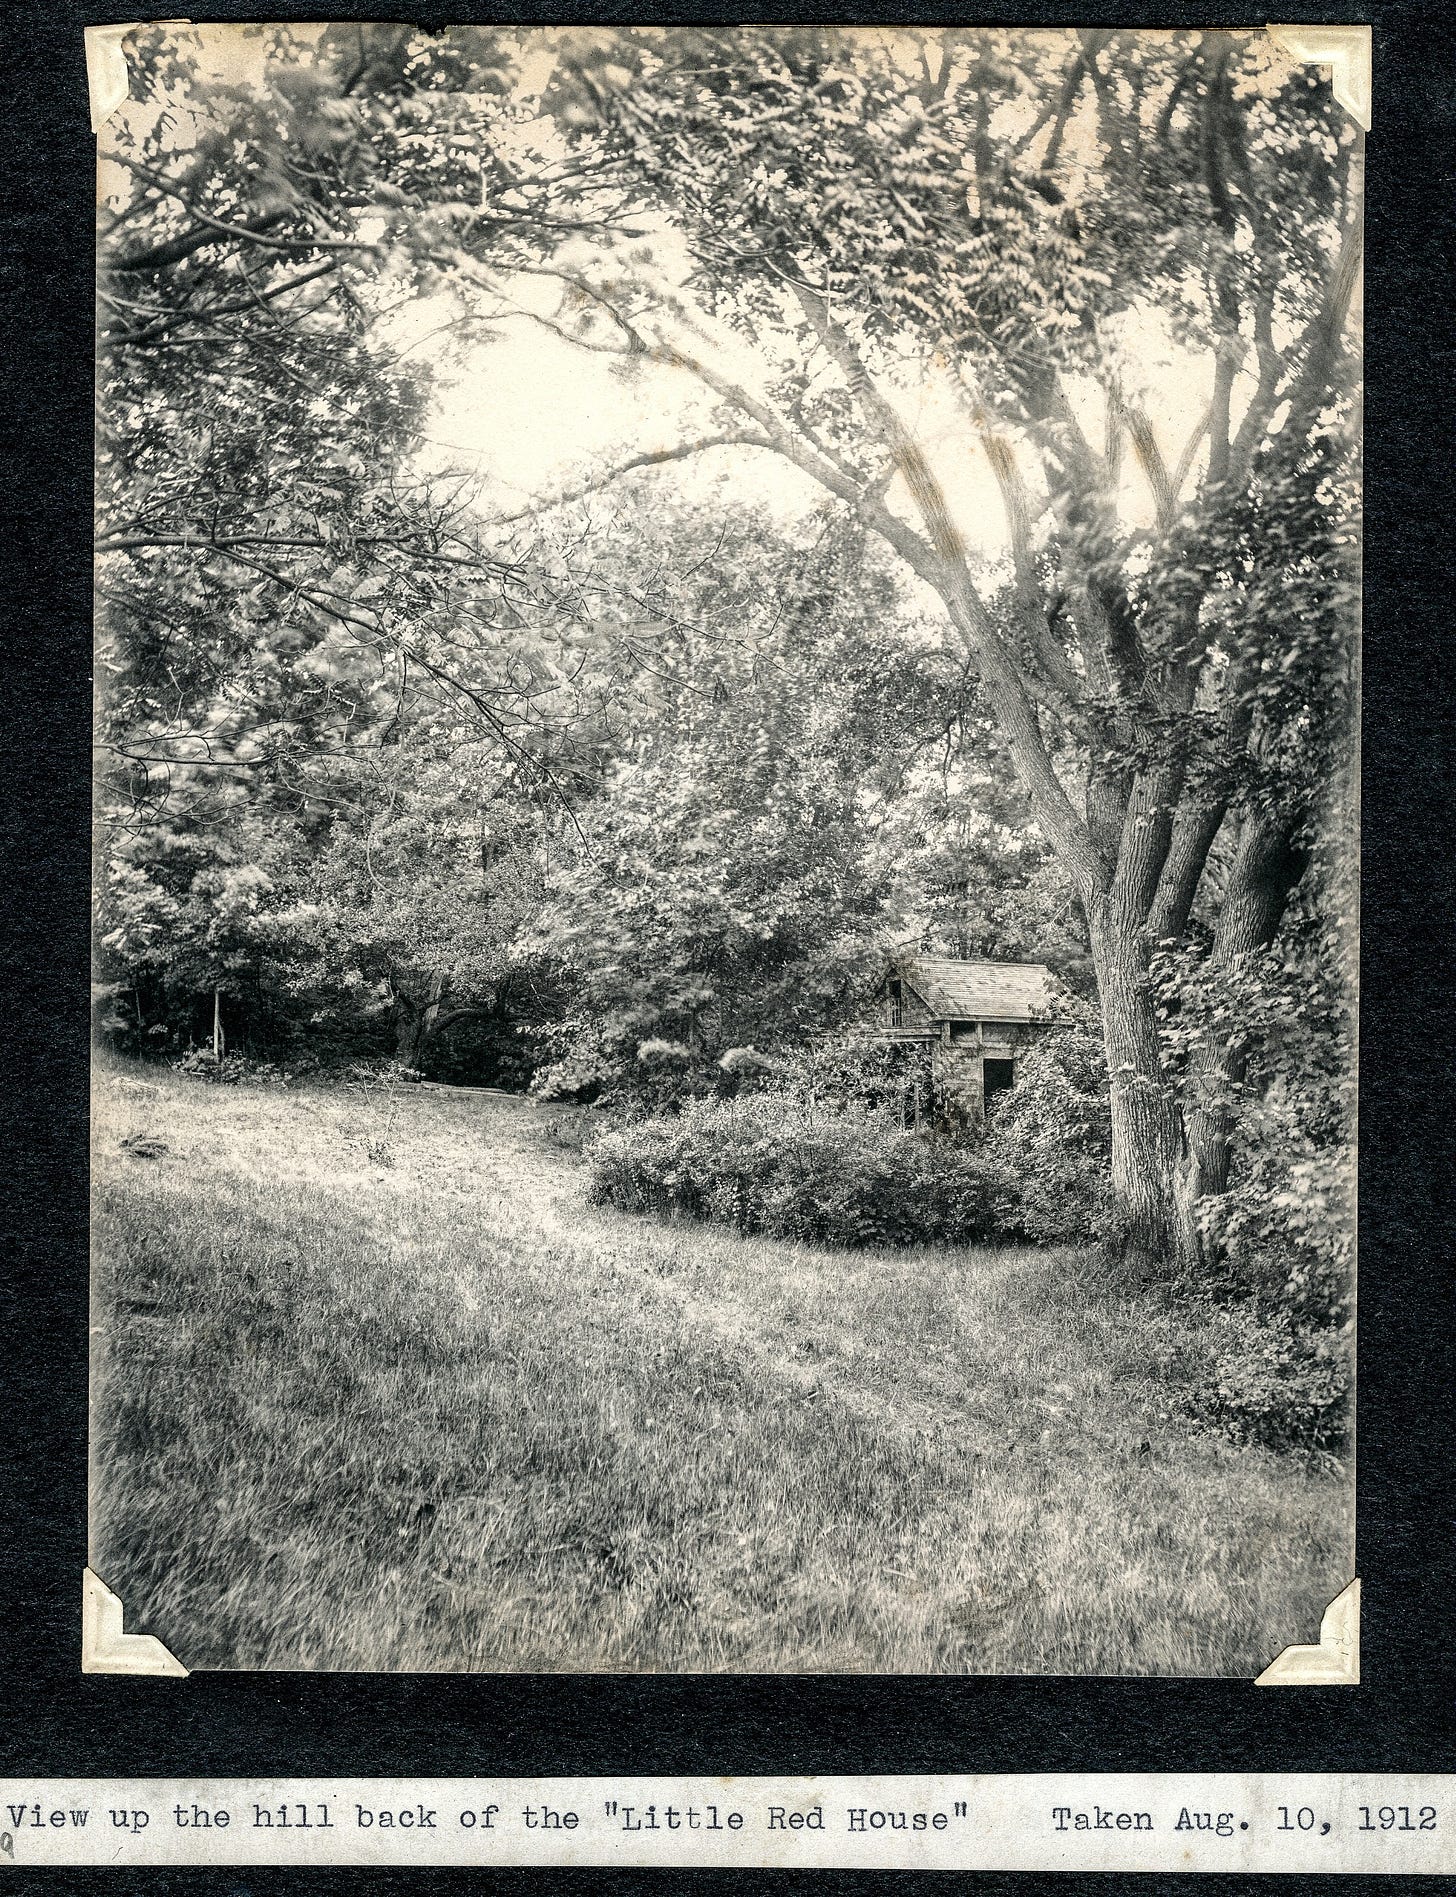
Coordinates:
377 1388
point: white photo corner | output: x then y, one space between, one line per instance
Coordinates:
726 855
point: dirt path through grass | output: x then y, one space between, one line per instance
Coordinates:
385 1390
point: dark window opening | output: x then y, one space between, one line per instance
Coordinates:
897 1005
998 1075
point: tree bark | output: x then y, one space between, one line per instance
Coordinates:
1147 1133
417 1021
1267 865
1194 828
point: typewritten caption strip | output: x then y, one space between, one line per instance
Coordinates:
1262 1822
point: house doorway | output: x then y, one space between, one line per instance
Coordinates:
996 1077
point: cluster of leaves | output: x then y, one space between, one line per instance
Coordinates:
384 910
288 607
1283 1230
1270 577
1280 1235
1277 1382
799 153
736 877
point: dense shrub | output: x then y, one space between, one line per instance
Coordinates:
1283 1232
770 1163
1052 1134
1280 1239
583 1061
1275 1381
813 1146
847 1072
571 1062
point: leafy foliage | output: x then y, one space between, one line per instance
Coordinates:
733 882
770 1163
1051 1133
1276 1382
891 214
637 802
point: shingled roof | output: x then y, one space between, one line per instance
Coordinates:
982 991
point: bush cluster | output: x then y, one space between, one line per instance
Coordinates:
813 1146
1277 1382
772 1163
233 1069
1052 1135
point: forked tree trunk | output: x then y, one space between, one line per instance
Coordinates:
1147 1128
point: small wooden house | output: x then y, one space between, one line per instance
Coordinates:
972 1018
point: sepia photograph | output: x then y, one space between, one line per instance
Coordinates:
726 848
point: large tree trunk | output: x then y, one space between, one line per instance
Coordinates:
1147 1131
407 1018
1266 867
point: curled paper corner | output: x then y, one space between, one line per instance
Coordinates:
107 78
105 1648
1345 50
1335 1661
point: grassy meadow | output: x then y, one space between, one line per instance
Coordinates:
375 1387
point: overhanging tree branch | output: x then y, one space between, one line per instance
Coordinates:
252 233
1059 680
949 573
1310 364
652 458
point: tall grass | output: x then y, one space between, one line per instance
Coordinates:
377 1388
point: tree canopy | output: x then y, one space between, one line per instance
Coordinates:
1112 725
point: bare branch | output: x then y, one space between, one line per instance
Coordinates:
1312 359
1190 448
1071 86
139 339
227 543
1149 457
654 458
1052 661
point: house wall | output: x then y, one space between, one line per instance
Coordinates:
956 1062
955 1068
913 1011
957 1050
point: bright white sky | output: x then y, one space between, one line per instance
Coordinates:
533 416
